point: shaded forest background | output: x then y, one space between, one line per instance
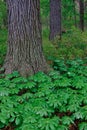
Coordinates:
73 43
49 101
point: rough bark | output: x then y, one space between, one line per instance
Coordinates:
81 4
24 53
55 18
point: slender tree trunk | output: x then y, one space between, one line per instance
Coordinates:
24 52
55 18
75 19
81 4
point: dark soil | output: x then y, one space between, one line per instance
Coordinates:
68 113
71 127
74 126
8 128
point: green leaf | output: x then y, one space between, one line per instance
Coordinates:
62 127
83 126
30 85
18 121
67 120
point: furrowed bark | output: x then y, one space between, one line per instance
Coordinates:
24 52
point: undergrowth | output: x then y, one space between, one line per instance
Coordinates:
54 101
72 45
3 45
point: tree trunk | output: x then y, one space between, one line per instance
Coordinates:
55 18
74 8
24 52
81 4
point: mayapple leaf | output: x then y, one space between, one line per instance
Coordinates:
83 126
18 120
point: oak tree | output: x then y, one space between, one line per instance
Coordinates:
24 53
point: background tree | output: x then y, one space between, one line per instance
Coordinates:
24 52
74 8
81 5
55 18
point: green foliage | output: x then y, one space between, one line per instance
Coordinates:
49 123
83 126
69 13
3 31
72 45
2 13
51 101
3 46
67 120
44 7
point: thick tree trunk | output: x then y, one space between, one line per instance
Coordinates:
55 18
24 52
81 4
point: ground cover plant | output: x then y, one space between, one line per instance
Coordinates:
54 101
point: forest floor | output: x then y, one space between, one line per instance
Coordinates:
68 58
